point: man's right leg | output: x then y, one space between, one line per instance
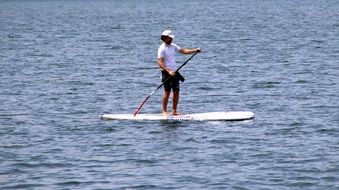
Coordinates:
175 102
165 97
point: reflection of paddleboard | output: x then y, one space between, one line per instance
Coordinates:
209 116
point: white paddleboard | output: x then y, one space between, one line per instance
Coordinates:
209 116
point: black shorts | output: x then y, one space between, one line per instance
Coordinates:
172 83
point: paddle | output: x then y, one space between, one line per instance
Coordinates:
142 103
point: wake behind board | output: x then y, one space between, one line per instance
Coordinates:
209 116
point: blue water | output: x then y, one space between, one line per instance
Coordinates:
64 63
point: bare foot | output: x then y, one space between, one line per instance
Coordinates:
164 113
176 113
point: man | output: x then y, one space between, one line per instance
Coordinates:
166 61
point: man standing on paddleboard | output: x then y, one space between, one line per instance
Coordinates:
166 61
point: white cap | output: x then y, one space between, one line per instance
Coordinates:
168 33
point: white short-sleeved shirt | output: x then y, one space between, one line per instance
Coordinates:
168 53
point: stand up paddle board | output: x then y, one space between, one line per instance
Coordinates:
209 116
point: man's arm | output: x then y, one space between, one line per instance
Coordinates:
162 65
189 51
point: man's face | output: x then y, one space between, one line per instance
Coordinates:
168 40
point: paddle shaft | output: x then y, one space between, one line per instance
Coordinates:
143 102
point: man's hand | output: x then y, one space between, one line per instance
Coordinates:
172 73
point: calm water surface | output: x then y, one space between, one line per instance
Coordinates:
64 63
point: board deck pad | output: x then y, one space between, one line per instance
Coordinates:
208 116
